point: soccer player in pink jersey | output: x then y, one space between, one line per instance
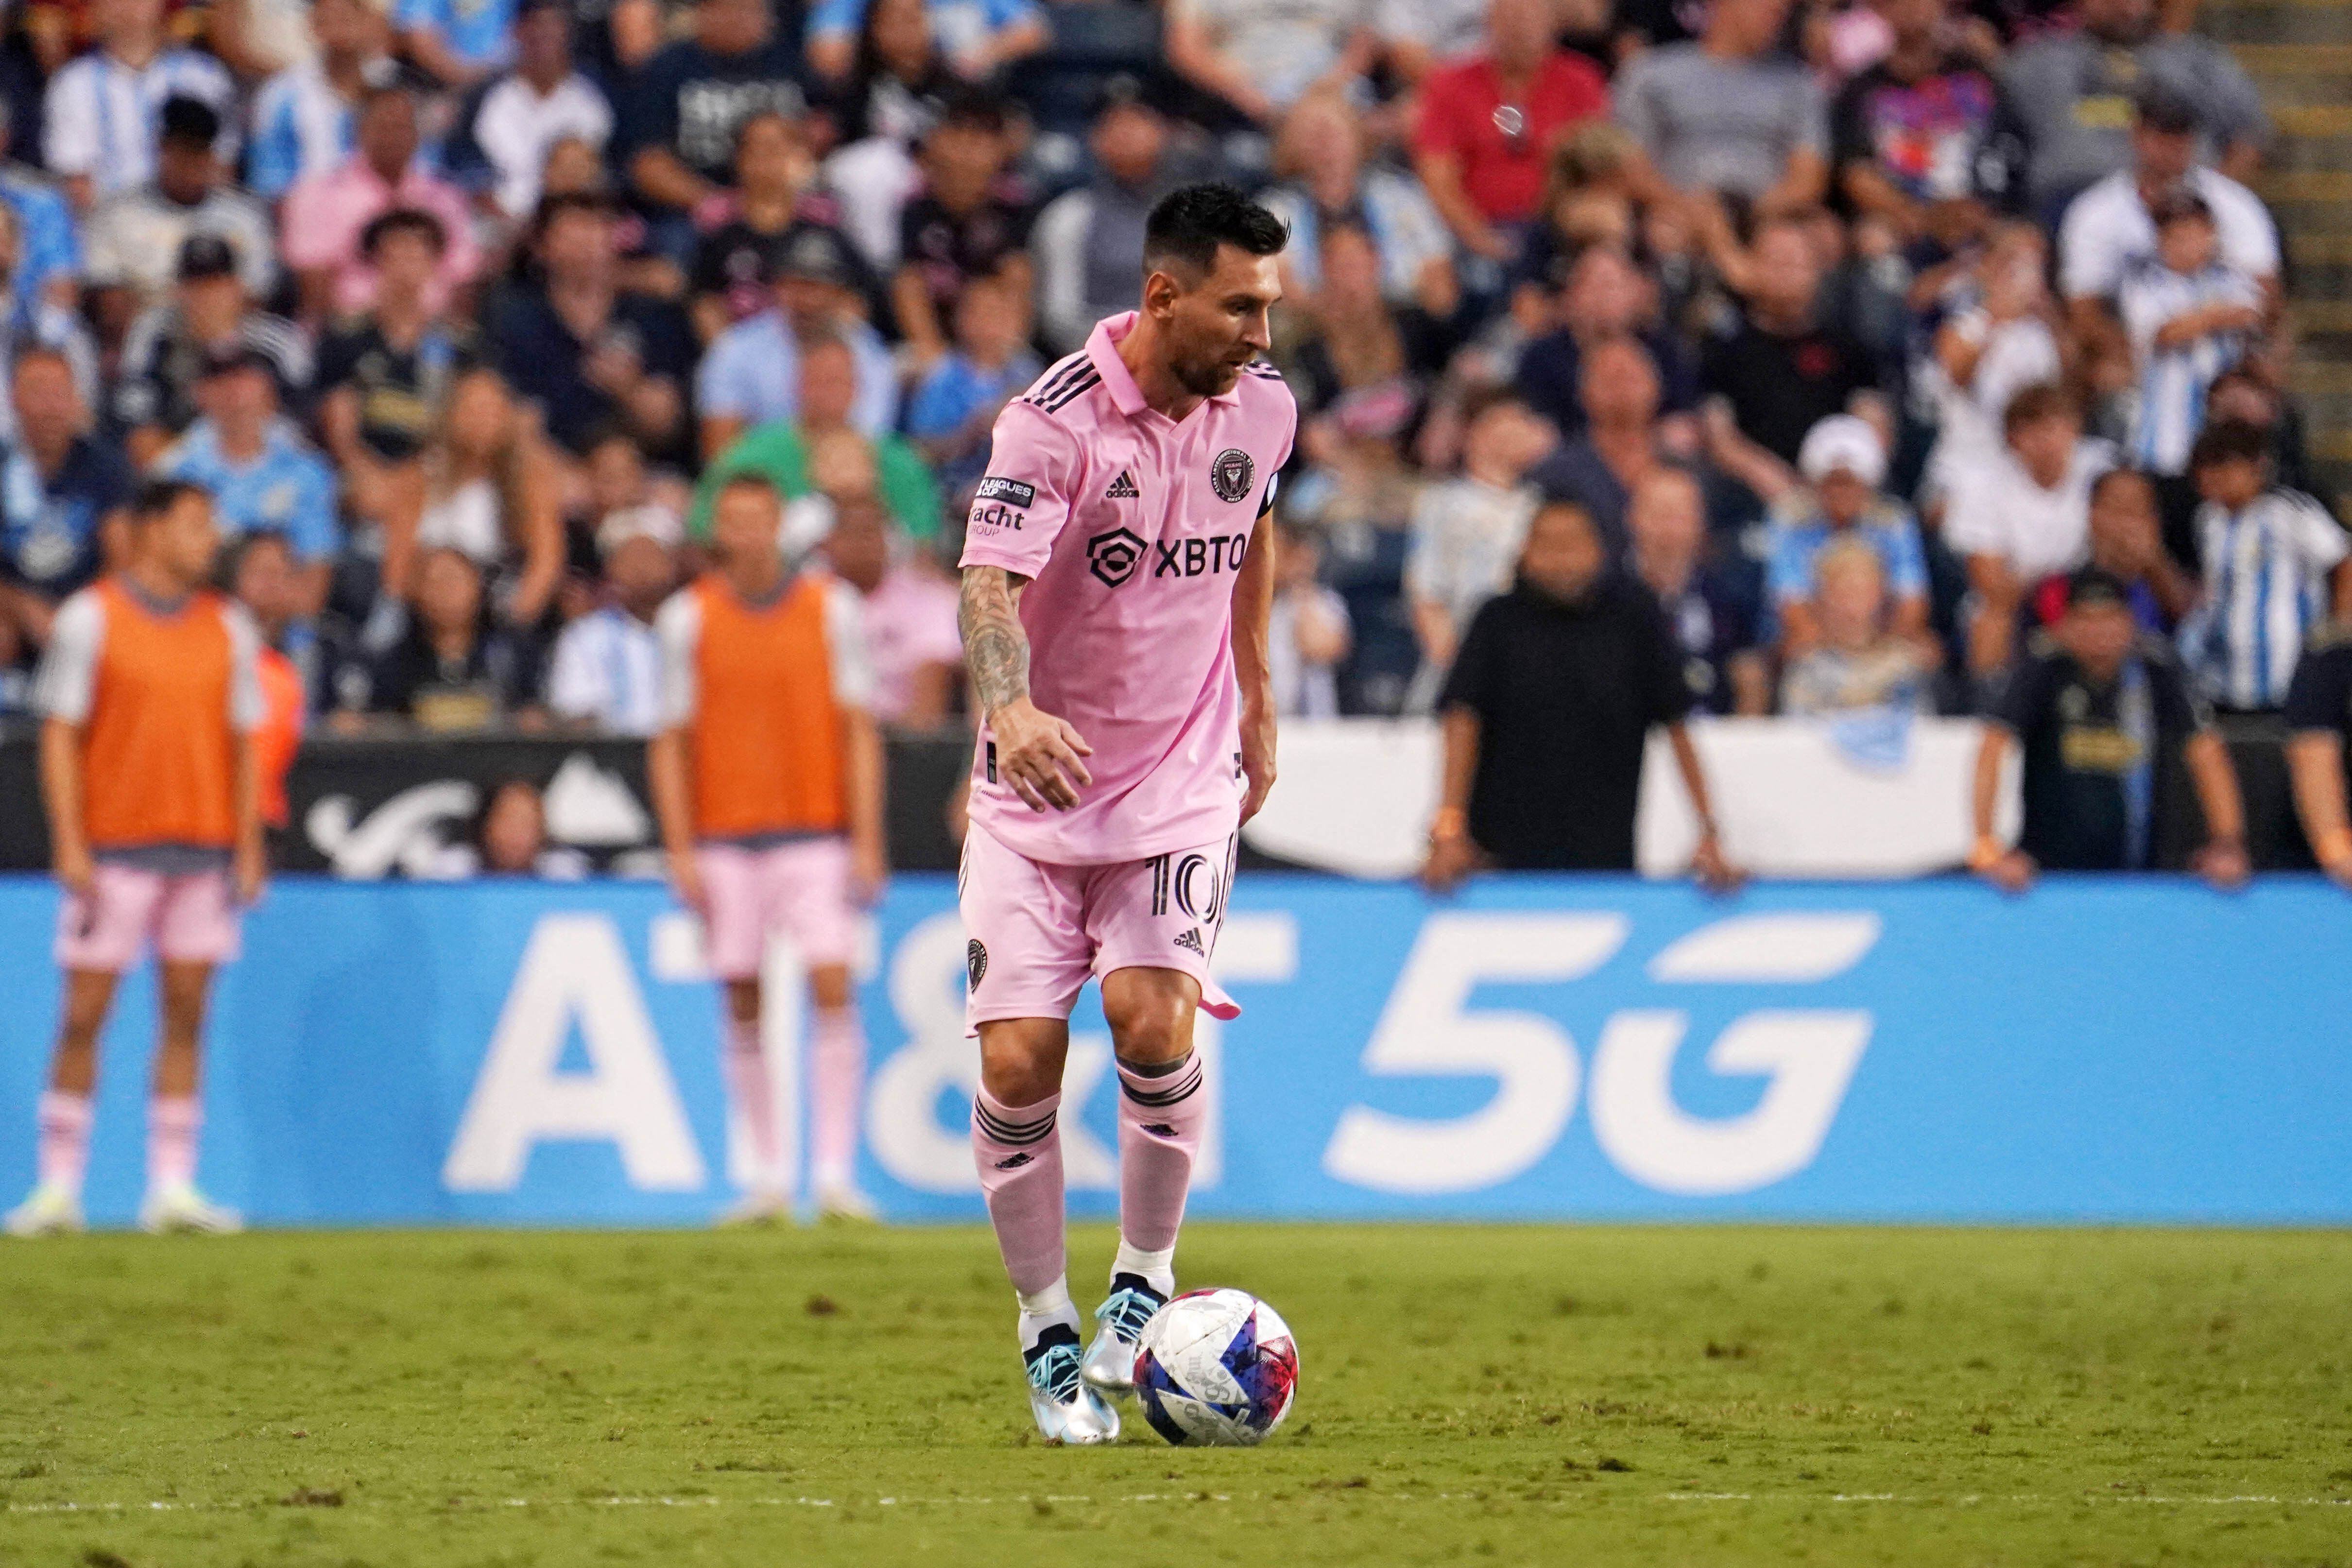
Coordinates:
1118 579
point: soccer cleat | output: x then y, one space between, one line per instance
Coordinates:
179 1209
1067 1409
845 1205
50 1211
760 1208
1109 1364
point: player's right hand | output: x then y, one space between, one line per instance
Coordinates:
1039 757
686 881
77 872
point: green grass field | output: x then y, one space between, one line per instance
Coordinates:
1586 1396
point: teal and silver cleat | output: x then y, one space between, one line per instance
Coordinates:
1109 1364
1067 1409
50 1211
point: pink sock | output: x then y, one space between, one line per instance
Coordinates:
64 1123
1019 1151
837 1072
754 1100
1159 1132
173 1123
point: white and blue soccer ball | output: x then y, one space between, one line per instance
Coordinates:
1216 1368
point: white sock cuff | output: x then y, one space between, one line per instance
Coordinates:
1051 1302
1157 1267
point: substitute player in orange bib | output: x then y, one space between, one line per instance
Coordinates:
151 697
1117 585
767 776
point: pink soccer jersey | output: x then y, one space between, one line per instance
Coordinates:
1130 527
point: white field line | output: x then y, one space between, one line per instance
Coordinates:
1968 1500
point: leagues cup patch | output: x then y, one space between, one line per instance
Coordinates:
1013 492
1231 474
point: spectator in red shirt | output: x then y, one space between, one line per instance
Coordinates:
1488 122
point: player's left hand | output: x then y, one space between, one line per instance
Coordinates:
2223 863
249 874
1257 762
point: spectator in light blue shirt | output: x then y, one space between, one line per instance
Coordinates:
977 37
305 117
262 475
1844 461
459 41
48 245
752 372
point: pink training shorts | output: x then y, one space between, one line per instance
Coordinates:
801 889
187 918
1036 931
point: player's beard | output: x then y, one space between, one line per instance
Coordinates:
1206 377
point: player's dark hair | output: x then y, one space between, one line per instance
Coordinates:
2229 441
404 220
158 497
1191 221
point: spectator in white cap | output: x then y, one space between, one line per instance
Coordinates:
606 671
1843 462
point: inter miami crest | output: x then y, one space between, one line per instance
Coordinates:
975 961
1114 556
1231 474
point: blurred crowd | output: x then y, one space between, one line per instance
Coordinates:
1852 331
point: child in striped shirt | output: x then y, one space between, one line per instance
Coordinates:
2273 561
2189 315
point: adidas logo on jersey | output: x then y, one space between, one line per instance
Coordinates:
1123 487
1192 939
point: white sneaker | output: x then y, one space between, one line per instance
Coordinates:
50 1211
846 1204
180 1209
760 1208
1066 1408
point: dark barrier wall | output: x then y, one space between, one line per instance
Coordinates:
379 807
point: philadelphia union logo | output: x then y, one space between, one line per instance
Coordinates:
1231 474
1114 556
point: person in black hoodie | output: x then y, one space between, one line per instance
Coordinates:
1546 714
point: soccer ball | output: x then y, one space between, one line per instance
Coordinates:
1216 1367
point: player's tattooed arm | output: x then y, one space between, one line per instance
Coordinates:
996 649
1039 757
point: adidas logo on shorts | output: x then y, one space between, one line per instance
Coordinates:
1192 939
1123 487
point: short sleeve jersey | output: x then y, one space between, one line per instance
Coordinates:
1130 527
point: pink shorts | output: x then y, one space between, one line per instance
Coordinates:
800 889
187 918
1036 931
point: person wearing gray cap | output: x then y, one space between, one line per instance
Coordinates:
751 374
